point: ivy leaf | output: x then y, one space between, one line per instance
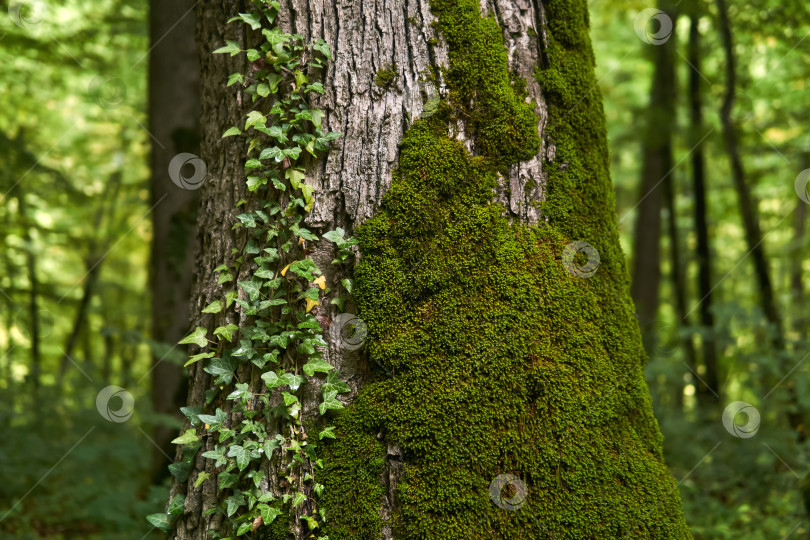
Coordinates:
197 337
248 219
310 304
226 331
234 502
190 436
289 399
255 117
299 498
180 470
348 284
340 302
222 369
213 307
241 392
322 47
201 477
227 479
269 513
176 505
327 433
292 153
295 176
198 357
277 133
230 47
293 381
263 90
271 379
329 402
273 79
250 18
334 384
317 117
160 521
273 152
193 414
316 86
242 456
269 446
230 296
251 288
254 182
232 131
224 277
237 78
335 236
317 365
253 164
218 454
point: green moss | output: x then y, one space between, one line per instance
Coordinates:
492 357
481 87
386 76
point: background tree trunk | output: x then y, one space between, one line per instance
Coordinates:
174 81
454 375
656 168
707 387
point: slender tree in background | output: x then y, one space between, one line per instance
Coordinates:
750 218
174 105
473 155
797 255
656 168
707 385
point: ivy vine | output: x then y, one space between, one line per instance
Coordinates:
280 338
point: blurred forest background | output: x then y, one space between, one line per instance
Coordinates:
706 104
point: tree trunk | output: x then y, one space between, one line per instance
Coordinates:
493 359
679 290
750 219
174 111
707 387
33 297
656 168
797 256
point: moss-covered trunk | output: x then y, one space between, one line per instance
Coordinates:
500 389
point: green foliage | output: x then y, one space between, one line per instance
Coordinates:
278 337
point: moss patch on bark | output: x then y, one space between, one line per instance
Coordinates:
490 357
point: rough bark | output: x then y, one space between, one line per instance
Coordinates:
352 178
174 125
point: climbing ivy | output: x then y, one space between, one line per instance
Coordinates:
259 420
